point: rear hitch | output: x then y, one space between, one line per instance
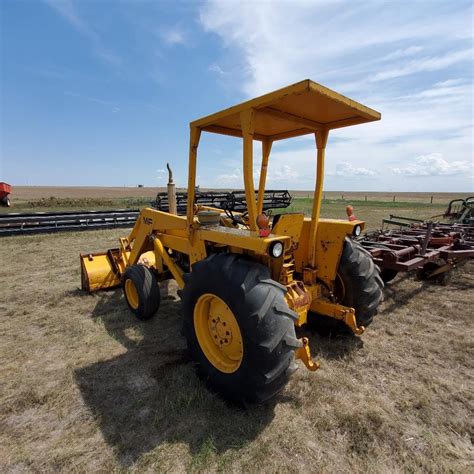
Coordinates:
304 354
350 320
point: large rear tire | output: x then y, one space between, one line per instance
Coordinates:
239 329
359 286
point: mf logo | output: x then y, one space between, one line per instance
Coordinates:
147 220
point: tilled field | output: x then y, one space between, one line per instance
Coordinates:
85 387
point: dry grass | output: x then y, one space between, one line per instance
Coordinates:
85 387
26 193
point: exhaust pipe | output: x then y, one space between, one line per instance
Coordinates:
171 192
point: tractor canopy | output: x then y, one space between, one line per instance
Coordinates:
295 110
299 109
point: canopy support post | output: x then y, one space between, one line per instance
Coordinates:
247 123
194 136
266 149
321 137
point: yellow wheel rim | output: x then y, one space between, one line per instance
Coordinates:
132 294
218 333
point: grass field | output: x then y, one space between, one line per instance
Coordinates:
50 198
373 210
85 387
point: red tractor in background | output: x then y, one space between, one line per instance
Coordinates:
5 190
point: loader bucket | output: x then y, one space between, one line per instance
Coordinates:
99 271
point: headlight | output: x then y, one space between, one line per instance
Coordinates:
356 230
276 249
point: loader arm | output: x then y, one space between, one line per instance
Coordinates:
148 222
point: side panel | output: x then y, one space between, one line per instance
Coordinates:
244 239
329 242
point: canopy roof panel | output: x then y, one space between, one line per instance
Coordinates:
295 110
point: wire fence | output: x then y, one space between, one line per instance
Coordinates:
382 197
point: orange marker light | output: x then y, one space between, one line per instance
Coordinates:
263 222
350 213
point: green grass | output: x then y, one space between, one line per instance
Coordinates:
372 212
305 204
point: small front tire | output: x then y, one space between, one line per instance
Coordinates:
141 291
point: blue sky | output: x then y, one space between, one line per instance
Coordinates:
101 92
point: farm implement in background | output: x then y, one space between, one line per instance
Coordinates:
230 202
460 211
430 248
49 222
5 190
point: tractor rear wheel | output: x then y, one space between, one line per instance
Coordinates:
239 329
141 291
358 285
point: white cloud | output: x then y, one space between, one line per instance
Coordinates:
277 45
277 174
216 69
433 164
161 174
282 173
426 54
67 9
425 64
401 53
347 170
232 178
174 36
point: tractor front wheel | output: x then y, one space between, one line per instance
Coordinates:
239 330
362 283
358 285
141 291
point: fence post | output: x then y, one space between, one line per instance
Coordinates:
366 198
431 201
393 198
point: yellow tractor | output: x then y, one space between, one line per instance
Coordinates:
247 280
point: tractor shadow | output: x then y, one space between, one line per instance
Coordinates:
149 396
336 345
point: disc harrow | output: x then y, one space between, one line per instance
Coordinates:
430 248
